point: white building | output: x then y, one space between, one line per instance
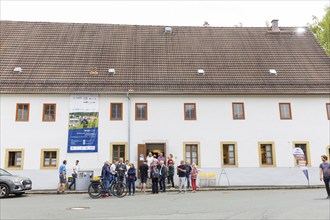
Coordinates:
238 99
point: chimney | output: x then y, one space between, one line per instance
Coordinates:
275 25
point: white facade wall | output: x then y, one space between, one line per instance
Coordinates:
166 124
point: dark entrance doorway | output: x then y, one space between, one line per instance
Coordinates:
155 149
144 149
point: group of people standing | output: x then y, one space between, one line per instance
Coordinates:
155 168
124 172
187 173
158 170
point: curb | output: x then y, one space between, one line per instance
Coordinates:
219 188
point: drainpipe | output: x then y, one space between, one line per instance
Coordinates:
128 125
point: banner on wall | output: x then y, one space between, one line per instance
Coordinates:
83 123
299 155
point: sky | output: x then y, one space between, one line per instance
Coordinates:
219 13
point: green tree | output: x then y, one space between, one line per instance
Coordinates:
321 29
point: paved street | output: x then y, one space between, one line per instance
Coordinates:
238 204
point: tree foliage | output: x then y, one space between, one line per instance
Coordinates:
321 29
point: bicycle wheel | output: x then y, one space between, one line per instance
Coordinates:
111 188
120 190
94 191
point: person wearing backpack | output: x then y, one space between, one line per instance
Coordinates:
325 173
154 178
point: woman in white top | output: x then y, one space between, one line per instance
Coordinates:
150 158
75 169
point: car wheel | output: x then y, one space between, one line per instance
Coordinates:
4 190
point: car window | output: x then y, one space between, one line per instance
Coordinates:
4 173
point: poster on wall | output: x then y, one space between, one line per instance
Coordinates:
83 123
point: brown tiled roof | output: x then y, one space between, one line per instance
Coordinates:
57 58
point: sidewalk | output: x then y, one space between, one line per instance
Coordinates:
210 188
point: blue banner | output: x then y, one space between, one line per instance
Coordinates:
83 140
83 124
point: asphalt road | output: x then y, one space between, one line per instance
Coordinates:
238 204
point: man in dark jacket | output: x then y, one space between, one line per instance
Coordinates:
171 174
182 176
121 169
154 174
188 170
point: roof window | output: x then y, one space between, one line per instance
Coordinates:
300 30
273 72
112 71
168 30
200 72
18 69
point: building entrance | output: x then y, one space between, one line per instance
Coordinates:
155 149
144 149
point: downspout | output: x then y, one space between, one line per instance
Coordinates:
128 125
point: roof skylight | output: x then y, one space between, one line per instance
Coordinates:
273 72
200 72
18 69
112 71
300 30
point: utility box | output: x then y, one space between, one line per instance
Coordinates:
83 179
